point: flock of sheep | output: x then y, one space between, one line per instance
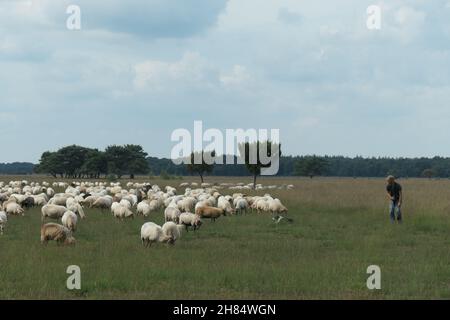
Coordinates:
181 212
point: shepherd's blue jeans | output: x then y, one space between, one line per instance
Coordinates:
394 210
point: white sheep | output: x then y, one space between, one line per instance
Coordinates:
151 232
59 199
190 220
143 208
52 211
50 192
187 204
125 203
14 209
224 204
69 220
275 206
40 200
171 214
122 212
172 231
104 202
241 205
3 221
76 208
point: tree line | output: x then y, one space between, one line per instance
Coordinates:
81 162
328 166
16 168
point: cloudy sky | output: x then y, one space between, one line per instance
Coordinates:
137 70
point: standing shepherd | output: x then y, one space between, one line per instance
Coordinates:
394 191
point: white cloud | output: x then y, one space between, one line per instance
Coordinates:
238 76
190 70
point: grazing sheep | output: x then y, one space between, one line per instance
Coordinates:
143 208
155 205
14 209
40 200
187 204
76 208
103 203
151 232
50 192
275 206
172 231
122 212
114 206
89 200
56 232
6 203
241 205
52 211
224 204
3 220
261 205
209 212
172 214
190 220
69 220
59 199
125 203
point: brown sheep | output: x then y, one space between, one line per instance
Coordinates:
209 212
57 232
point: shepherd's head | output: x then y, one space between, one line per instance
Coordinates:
390 179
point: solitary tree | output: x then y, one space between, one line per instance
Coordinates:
203 167
310 166
250 153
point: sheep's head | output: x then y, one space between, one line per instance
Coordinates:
170 240
70 241
198 222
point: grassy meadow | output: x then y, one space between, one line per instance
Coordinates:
341 226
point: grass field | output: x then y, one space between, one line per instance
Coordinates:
341 227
